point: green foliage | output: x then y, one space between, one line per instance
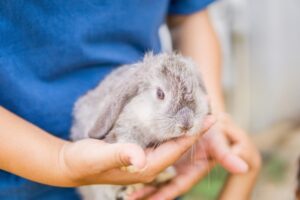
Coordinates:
275 169
209 187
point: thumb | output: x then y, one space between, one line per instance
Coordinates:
91 156
119 155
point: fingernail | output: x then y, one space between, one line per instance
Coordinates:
240 165
131 169
138 159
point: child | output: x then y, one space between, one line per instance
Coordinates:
52 52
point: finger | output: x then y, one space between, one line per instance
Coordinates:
241 145
208 122
142 193
234 133
168 153
162 157
182 182
101 156
221 151
234 163
118 155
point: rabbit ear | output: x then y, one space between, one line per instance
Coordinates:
120 87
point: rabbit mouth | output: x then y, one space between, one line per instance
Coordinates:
157 142
182 130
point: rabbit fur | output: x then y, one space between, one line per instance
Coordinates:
146 103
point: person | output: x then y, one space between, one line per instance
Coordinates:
53 52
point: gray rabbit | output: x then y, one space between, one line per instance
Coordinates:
146 103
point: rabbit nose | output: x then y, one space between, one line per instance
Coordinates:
184 117
185 126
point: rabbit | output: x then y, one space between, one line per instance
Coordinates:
147 103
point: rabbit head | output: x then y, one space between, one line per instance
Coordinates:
171 100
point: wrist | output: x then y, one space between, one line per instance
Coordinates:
217 106
70 175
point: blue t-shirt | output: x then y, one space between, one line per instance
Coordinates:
52 52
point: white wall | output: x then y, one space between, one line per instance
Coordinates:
262 44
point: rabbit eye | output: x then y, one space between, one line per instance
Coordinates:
160 94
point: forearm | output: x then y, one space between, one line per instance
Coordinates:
239 186
194 37
30 152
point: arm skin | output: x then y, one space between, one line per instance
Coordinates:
194 37
23 146
32 153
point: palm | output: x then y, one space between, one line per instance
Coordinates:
193 166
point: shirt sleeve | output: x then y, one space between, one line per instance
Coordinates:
186 7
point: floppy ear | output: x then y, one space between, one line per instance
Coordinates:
117 89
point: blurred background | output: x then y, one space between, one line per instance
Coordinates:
261 54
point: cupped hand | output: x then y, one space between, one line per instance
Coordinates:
224 143
91 161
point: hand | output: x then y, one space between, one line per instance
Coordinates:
191 168
229 145
240 183
225 143
93 161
